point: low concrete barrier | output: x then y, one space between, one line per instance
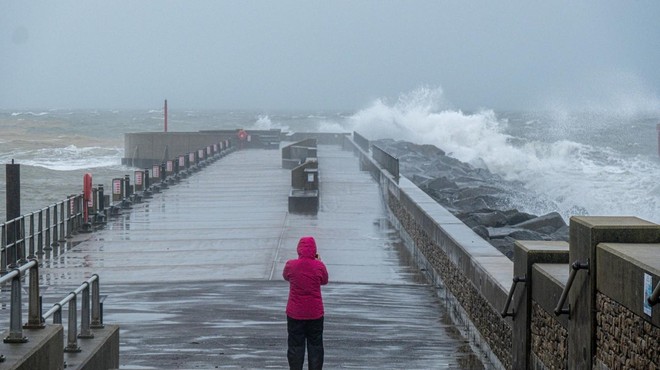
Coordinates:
304 195
42 351
99 352
297 153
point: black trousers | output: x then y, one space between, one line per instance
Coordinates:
301 332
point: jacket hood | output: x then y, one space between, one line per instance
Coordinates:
307 247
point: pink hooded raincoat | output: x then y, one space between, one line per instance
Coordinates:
305 276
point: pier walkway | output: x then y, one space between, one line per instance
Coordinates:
193 275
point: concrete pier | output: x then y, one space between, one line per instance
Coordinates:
193 276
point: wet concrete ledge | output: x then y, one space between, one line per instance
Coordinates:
43 350
100 352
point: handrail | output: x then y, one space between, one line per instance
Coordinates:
516 280
654 298
34 321
26 236
575 267
85 325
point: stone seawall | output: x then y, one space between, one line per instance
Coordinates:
623 339
549 339
483 316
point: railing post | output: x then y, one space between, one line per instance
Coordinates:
79 212
15 328
3 252
47 239
40 240
62 236
100 214
20 241
34 307
13 257
55 243
78 220
70 214
84 312
72 335
31 251
57 316
97 320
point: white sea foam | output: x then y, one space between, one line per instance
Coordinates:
265 123
70 157
14 114
573 175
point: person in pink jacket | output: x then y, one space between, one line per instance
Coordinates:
304 310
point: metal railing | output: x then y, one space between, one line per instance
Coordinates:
654 298
28 236
34 309
86 324
575 267
36 321
516 279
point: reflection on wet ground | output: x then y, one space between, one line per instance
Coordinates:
193 277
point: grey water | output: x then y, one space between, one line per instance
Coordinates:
598 163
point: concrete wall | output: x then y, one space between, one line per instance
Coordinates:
325 138
585 234
626 336
98 353
43 350
549 333
143 149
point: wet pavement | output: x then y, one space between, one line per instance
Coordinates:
193 275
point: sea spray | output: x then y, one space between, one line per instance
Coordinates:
575 175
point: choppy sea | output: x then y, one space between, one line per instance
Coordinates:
601 162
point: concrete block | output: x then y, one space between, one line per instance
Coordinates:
585 233
621 269
527 253
98 353
43 350
304 201
548 282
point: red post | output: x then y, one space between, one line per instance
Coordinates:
87 195
165 110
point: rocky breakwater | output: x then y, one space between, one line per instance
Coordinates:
484 201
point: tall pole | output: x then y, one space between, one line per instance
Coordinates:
165 110
13 197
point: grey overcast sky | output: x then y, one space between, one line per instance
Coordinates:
517 54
